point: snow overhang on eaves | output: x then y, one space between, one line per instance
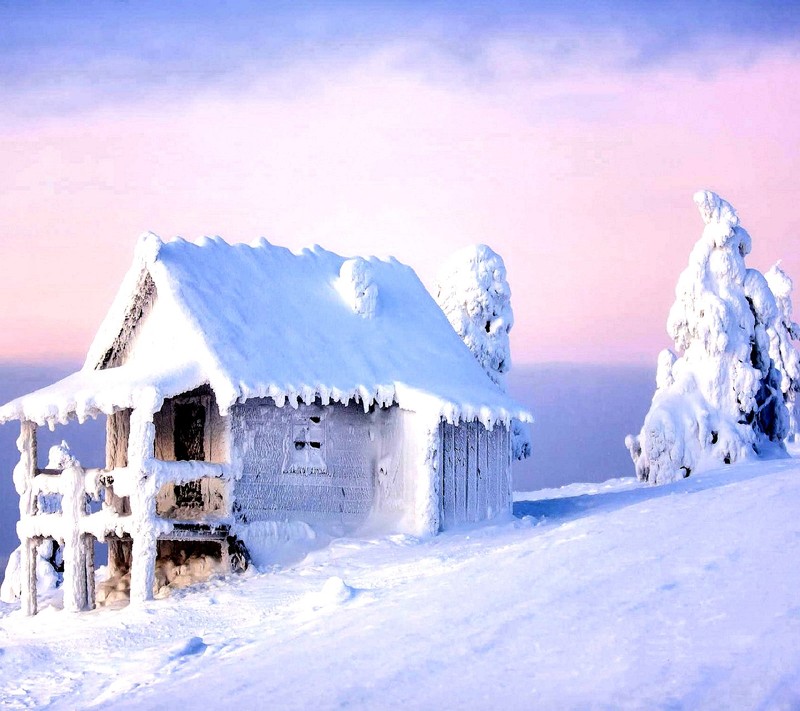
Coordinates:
499 409
89 393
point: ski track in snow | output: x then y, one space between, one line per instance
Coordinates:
596 596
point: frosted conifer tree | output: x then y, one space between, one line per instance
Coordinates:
474 294
781 350
721 400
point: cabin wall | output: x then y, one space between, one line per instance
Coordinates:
363 468
312 463
398 467
475 472
368 467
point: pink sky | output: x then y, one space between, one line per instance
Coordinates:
582 180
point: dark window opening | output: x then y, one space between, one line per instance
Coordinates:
190 428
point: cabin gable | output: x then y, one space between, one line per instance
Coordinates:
144 296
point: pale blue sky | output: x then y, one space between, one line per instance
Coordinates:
68 56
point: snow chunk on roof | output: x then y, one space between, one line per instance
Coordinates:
263 321
356 285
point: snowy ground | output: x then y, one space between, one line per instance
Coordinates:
605 596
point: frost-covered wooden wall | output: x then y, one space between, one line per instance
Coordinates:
312 463
475 472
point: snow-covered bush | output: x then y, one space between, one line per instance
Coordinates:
721 400
47 577
473 291
781 334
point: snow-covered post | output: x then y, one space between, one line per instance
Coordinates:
88 557
143 506
24 472
76 568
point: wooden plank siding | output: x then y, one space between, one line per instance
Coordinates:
472 472
482 472
475 472
448 477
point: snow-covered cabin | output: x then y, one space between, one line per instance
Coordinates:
245 384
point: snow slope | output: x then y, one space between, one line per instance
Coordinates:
616 595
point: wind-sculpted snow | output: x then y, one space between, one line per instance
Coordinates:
721 399
554 609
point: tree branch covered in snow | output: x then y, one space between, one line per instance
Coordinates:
721 400
473 291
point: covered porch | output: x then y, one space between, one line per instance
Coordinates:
129 513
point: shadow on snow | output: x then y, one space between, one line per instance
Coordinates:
572 507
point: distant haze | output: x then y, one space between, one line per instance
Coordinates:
582 413
582 416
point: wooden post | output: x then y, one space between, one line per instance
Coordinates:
117 439
88 547
24 473
27 574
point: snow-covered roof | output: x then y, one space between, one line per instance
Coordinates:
261 321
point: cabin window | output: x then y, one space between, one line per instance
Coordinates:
306 450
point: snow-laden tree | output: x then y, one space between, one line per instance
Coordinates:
473 291
781 349
721 400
